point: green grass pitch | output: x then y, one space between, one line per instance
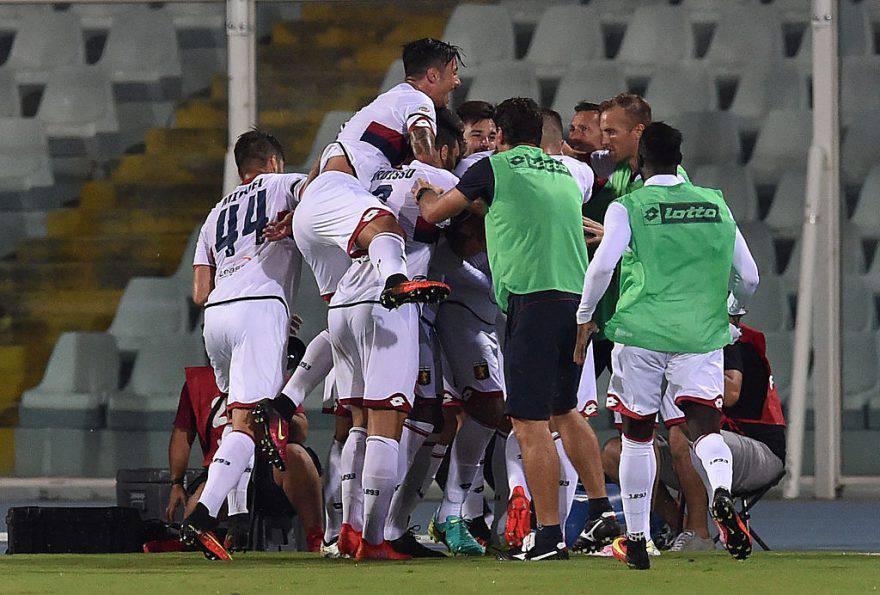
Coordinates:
770 572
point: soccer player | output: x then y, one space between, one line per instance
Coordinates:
337 216
584 132
552 143
678 243
479 132
375 350
246 285
537 253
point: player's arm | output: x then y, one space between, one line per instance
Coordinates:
299 428
599 273
476 186
203 283
733 375
421 139
746 277
182 436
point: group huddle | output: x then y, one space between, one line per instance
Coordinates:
451 249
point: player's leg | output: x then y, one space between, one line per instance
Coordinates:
519 505
314 367
302 486
499 473
568 480
698 381
238 518
333 483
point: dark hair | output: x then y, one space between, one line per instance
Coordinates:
520 120
471 112
254 148
552 116
425 53
587 106
634 105
449 130
660 146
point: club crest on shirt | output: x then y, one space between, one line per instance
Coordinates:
424 378
481 371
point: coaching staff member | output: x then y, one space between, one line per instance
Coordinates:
535 241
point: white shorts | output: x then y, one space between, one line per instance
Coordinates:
333 211
471 348
363 157
246 342
587 405
375 355
637 378
670 414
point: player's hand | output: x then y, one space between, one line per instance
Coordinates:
584 336
420 183
177 498
295 324
278 230
593 231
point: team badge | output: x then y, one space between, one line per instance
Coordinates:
424 378
481 371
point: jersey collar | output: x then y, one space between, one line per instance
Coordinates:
664 180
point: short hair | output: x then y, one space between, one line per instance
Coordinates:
520 119
254 148
449 130
472 112
549 115
425 53
634 105
587 106
660 146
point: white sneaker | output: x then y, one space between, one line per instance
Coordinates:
330 550
688 541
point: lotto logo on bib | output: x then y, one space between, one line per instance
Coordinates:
681 212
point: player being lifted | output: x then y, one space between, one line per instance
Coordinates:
376 356
678 242
246 285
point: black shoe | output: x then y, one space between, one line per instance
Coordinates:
480 530
733 532
197 530
598 533
408 544
632 552
238 535
399 290
535 549
264 419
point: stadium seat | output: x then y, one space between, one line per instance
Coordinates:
766 86
530 12
859 149
150 399
780 349
744 37
45 40
327 131
786 213
150 306
768 309
782 144
8 96
867 212
679 88
657 35
760 241
590 81
183 276
565 34
859 370
497 81
82 372
141 47
485 34
852 257
78 102
393 76
859 87
735 182
709 138
24 156
197 15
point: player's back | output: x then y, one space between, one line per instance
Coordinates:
383 125
581 173
231 240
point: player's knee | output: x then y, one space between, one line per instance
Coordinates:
342 425
381 224
486 408
611 457
702 419
640 430
679 445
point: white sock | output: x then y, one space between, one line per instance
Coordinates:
225 470
438 453
379 479
237 499
411 439
717 461
568 481
314 367
502 491
638 467
473 502
387 253
467 452
516 473
333 491
352 466
408 494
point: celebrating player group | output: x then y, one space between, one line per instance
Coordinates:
452 250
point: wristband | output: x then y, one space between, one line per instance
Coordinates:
178 482
422 192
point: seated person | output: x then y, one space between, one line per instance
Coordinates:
202 412
753 428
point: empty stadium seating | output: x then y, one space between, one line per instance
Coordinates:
149 307
469 27
497 81
566 33
736 183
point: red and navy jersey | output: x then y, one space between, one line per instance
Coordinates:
202 409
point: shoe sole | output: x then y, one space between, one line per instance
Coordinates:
737 539
266 444
207 543
426 294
